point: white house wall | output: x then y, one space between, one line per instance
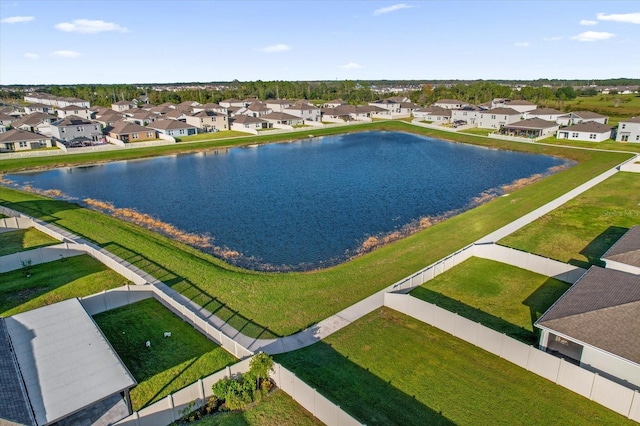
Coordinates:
630 130
487 120
611 264
594 359
582 136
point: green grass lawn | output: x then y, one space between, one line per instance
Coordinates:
264 304
170 363
609 144
277 409
500 296
53 282
614 106
24 239
582 230
480 132
389 369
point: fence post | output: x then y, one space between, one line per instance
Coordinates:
170 402
201 389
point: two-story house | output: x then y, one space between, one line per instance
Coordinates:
74 129
208 121
629 130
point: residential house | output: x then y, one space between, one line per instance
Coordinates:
22 140
434 114
109 118
227 103
467 115
208 121
188 105
497 117
38 107
577 117
178 114
173 128
532 128
129 132
335 103
305 110
278 105
122 106
408 107
629 130
256 109
141 116
6 120
392 106
76 130
219 109
349 113
242 123
35 122
518 105
596 323
12 111
74 110
283 119
54 101
548 114
451 104
62 102
162 109
589 131
624 255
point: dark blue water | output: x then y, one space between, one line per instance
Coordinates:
305 204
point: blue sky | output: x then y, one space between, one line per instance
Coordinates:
162 41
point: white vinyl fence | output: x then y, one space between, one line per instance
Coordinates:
603 391
14 261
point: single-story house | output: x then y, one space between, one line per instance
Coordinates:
67 369
243 122
530 128
433 114
451 103
408 107
232 103
596 323
208 121
577 117
6 120
624 255
283 118
72 128
140 116
74 110
22 140
129 132
589 131
629 130
549 114
35 122
173 127
38 107
497 117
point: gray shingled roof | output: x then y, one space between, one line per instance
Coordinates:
72 120
602 309
587 114
546 111
631 120
435 110
14 404
627 249
531 123
502 111
450 101
280 116
169 125
589 126
17 135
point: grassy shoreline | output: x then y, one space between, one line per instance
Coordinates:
275 304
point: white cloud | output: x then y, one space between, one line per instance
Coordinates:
393 8
65 54
275 48
522 44
588 22
31 55
17 19
630 18
554 38
88 26
593 36
351 66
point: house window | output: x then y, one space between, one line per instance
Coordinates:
23 144
134 136
638 137
624 125
493 117
62 130
182 131
574 135
80 129
592 136
149 134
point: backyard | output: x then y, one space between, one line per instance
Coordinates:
24 239
499 296
387 368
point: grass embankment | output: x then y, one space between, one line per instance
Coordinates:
53 282
389 369
268 304
24 239
203 137
277 409
479 132
582 230
499 296
170 363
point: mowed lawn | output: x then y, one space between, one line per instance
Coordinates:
499 296
277 409
583 229
170 363
389 369
53 282
24 239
